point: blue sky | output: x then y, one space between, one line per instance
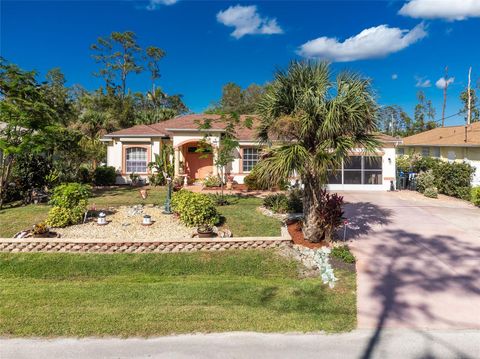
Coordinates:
211 43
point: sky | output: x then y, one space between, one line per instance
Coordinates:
403 46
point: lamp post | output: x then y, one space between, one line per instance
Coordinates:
167 209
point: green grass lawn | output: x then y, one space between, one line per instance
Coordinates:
240 216
159 294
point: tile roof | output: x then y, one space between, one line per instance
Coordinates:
192 122
446 136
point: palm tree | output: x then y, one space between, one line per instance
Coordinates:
316 123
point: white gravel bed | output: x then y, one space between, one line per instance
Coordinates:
126 224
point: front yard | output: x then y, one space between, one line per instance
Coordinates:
159 294
240 216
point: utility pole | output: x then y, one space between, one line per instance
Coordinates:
445 96
391 125
469 113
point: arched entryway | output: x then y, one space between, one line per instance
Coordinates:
198 165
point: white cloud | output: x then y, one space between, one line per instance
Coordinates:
422 82
442 82
374 42
394 76
441 9
247 21
154 4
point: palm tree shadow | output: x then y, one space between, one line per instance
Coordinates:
362 218
404 266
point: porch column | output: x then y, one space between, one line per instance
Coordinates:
176 155
214 160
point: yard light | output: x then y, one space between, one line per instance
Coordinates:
147 220
102 219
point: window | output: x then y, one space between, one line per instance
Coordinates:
425 151
400 151
250 158
436 152
366 170
352 168
136 160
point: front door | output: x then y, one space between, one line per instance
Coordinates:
198 165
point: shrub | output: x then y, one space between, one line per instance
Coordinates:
252 183
425 180
453 178
84 175
104 176
295 200
343 253
69 204
329 213
404 163
423 164
278 203
157 179
431 192
212 181
475 196
195 209
70 195
40 228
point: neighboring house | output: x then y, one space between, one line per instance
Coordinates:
131 149
452 143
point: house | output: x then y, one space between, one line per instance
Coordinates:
131 149
451 143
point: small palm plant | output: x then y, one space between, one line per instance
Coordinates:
316 122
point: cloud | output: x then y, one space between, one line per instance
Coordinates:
422 82
441 9
394 76
247 21
374 42
442 82
155 4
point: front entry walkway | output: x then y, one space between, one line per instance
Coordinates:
418 260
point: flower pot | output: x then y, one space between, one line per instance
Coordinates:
204 233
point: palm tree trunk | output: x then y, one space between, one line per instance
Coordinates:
312 232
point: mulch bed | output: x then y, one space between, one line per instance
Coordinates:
295 231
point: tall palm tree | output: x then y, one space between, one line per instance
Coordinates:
315 123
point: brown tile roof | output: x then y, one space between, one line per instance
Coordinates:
187 122
192 122
446 136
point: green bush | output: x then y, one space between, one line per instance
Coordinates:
431 192
84 175
453 179
157 179
278 202
252 183
475 196
62 217
195 209
425 180
104 176
285 203
69 204
212 181
343 253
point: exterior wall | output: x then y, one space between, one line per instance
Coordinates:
116 155
388 174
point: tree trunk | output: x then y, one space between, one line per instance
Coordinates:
312 232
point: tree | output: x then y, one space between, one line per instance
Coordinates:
232 98
27 118
236 100
424 114
475 111
392 120
119 54
154 55
314 123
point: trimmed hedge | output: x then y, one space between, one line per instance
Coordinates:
104 176
195 209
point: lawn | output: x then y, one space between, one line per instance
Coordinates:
160 294
240 216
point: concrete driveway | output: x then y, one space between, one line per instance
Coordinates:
418 260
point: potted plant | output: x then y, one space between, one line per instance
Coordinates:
134 179
230 181
40 230
205 231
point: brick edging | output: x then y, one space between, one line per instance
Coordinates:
139 246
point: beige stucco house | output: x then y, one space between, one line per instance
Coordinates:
130 150
452 143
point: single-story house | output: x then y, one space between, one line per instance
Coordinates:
452 143
131 149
